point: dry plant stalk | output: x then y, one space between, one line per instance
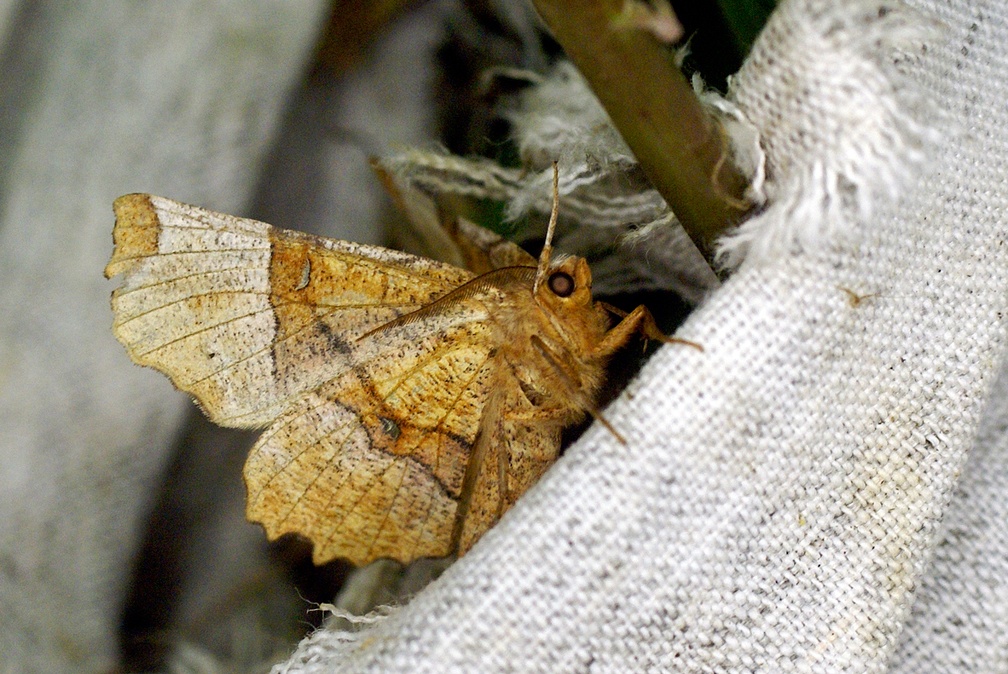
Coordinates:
682 150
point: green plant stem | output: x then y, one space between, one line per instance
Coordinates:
681 149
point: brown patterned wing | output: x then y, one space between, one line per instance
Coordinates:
247 317
372 464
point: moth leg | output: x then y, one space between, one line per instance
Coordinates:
504 499
573 389
616 311
639 321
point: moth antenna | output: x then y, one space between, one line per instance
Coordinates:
544 257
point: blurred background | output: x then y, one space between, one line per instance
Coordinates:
123 544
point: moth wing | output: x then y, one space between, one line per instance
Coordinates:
518 441
484 250
448 237
247 317
372 464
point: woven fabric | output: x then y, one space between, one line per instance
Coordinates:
780 499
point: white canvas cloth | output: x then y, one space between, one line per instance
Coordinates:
786 495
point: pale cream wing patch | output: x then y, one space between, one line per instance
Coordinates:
373 463
247 317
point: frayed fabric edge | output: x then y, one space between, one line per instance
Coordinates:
827 200
331 642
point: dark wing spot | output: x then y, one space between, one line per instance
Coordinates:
336 341
389 428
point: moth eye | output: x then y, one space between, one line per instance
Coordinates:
561 283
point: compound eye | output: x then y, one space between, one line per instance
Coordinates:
561 283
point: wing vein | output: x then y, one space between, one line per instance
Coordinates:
451 408
175 253
171 342
309 322
183 277
419 365
346 426
144 313
388 511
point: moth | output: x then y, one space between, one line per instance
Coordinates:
407 403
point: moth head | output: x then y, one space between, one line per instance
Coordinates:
569 322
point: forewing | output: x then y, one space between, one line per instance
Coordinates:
373 463
247 317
